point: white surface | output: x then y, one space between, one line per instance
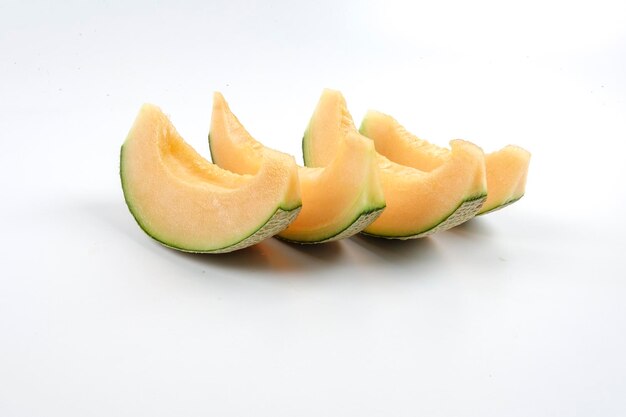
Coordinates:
520 313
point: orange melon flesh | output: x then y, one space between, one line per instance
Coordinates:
422 203
419 202
187 203
506 169
393 141
337 201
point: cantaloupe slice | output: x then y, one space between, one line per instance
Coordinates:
187 203
419 202
506 169
338 200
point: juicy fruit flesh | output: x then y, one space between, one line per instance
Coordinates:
393 141
506 169
466 210
336 197
170 189
241 153
329 124
187 166
187 203
417 200
337 200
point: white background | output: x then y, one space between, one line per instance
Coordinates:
519 313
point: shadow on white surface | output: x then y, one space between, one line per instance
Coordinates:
324 253
266 256
472 228
397 251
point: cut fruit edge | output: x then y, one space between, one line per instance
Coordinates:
157 164
464 212
234 148
279 221
506 169
319 146
500 207
355 227
276 223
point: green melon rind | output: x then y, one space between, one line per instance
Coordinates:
501 206
277 222
468 209
305 141
462 213
211 151
360 222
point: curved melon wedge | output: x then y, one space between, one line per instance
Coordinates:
424 203
419 202
189 204
338 201
394 142
506 169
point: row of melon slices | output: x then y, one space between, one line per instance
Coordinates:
379 180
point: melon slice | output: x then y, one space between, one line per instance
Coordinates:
338 200
187 203
506 169
419 202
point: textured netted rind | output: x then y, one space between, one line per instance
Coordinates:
501 206
467 210
276 224
361 222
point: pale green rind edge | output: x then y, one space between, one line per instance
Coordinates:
363 220
500 207
305 140
211 150
277 222
464 212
